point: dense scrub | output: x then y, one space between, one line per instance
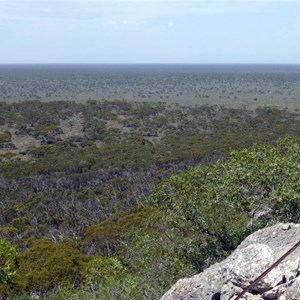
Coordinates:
79 201
202 215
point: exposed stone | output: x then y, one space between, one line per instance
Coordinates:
225 280
292 291
286 226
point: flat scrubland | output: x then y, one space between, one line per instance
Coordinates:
230 85
118 199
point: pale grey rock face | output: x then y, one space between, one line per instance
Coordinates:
292 291
225 280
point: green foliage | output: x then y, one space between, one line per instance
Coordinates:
151 253
107 278
45 266
8 262
5 137
104 238
203 214
220 199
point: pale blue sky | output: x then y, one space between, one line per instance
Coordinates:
170 31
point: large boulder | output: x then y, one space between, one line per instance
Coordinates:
225 280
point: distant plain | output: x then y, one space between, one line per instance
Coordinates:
229 85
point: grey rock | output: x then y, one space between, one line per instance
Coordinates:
292 291
225 280
286 226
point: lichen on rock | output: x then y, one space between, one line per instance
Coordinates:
225 280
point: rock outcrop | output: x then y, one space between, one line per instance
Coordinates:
225 280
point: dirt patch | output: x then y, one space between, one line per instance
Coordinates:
21 142
71 127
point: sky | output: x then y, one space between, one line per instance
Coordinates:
150 31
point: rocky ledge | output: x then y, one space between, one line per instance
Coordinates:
225 280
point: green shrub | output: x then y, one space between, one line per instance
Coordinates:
8 262
46 266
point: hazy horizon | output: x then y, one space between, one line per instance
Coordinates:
187 84
153 63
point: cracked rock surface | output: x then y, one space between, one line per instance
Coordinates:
224 280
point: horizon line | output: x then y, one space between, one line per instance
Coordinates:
144 63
